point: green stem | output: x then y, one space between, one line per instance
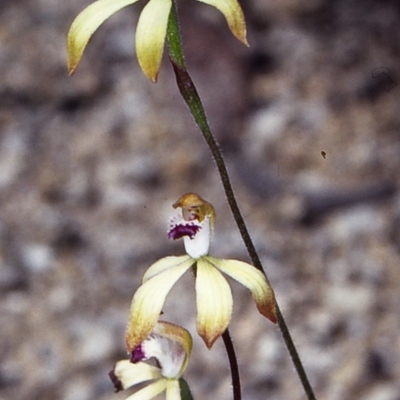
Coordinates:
193 101
174 38
230 349
186 394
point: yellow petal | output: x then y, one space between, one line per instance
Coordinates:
150 36
214 302
129 374
148 301
234 16
86 23
254 280
173 390
151 391
162 265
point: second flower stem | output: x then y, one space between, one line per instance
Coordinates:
237 391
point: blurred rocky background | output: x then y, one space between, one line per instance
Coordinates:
308 119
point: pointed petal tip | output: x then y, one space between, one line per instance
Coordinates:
153 78
150 72
149 68
241 35
272 317
268 310
209 341
71 69
208 337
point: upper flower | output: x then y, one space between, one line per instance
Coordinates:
213 294
195 225
171 346
151 29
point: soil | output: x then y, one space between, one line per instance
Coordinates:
308 120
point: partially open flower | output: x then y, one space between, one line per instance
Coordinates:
171 346
213 294
195 225
150 32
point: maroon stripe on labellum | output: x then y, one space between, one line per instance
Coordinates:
181 230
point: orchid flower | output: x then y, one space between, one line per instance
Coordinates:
171 346
150 32
213 294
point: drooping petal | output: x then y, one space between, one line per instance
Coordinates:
125 374
173 390
86 23
234 16
164 264
150 36
254 280
214 302
151 391
148 301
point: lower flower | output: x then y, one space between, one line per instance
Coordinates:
171 346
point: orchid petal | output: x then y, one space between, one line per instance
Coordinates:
126 374
234 16
150 36
86 23
214 302
199 245
254 280
148 301
150 391
178 334
162 265
173 390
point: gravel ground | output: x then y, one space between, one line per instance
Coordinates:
308 120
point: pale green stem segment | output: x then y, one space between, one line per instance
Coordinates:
193 101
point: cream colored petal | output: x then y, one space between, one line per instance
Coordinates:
214 302
234 16
173 390
254 280
131 374
147 304
86 23
150 36
164 264
149 392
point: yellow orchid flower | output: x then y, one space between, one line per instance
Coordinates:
150 32
213 294
171 346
